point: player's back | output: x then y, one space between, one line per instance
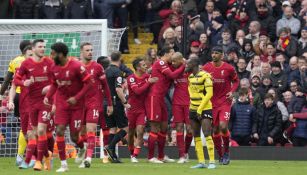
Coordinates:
222 78
181 94
137 100
197 91
161 87
114 78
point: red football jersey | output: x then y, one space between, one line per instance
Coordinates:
68 81
138 88
162 70
181 93
225 79
40 73
93 98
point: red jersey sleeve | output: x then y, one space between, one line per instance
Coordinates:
234 79
165 69
18 77
53 86
86 79
137 89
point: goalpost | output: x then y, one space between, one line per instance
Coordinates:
71 32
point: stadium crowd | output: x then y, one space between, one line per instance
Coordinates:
264 41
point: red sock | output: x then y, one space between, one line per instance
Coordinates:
50 141
180 143
188 141
136 151
41 147
218 144
90 144
226 138
81 141
31 147
106 134
161 144
153 137
60 140
131 149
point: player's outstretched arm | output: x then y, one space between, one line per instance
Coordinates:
12 95
174 74
8 78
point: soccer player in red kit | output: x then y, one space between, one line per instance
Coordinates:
138 85
93 100
71 82
225 82
180 109
155 105
34 73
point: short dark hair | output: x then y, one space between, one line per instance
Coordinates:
23 44
115 56
84 44
166 49
37 41
302 58
28 47
226 30
103 61
268 95
195 61
60 48
136 62
243 91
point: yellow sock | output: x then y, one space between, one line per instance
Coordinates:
210 148
22 144
199 150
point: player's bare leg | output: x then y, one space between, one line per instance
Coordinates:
42 147
30 151
60 140
91 135
206 128
153 138
196 126
80 143
225 136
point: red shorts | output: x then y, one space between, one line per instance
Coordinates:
24 122
181 114
50 126
92 115
39 114
156 110
73 118
136 118
221 114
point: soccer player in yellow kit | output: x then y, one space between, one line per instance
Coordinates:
13 65
200 91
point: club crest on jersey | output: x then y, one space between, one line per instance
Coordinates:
222 72
161 63
131 80
92 71
45 69
82 69
119 80
67 73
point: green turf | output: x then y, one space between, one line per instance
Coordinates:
235 168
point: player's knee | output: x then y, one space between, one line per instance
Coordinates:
207 132
41 131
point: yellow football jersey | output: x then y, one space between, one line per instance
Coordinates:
200 91
14 64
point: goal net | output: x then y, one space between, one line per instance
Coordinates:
71 32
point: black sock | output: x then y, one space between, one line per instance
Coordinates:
111 137
122 133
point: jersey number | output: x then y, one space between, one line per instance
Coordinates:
95 113
46 116
77 123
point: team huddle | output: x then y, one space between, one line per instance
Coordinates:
60 92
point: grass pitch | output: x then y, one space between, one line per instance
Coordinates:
236 167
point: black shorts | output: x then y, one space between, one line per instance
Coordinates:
205 114
118 118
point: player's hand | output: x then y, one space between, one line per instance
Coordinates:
71 101
53 110
291 118
229 96
46 102
256 136
11 106
109 110
127 106
270 140
153 79
28 82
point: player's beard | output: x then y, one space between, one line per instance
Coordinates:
57 60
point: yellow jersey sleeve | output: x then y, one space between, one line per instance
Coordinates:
208 86
15 64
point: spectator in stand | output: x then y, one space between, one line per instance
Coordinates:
240 36
265 69
194 48
303 13
247 51
267 21
241 119
281 106
26 9
239 21
269 55
286 43
226 42
78 9
254 31
296 5
267 123
215 30
51 9
196 28
255 83
279 78
207 13
6 9
276 8
241 69
204 49
232 56
254 63
297 70
173 23
135 8
234 7
151 57
266 84
261 46
287 98
176 9
169 38
178 31
302 42
300 134
289 21
293 65
293 87
283 60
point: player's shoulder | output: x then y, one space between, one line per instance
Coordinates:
205 74
131 78
160 63
228 66
207 65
